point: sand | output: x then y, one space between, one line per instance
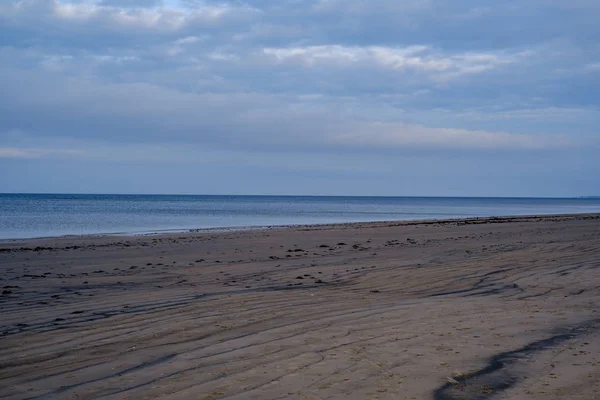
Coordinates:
504 308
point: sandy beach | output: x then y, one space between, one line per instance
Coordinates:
485 308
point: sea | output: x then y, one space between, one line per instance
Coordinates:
51 215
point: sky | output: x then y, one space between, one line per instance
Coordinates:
317 97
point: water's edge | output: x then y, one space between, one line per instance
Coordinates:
357 224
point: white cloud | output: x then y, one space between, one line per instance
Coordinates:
180 45
399 135
56 62
550 113
188 40
364 7
163 19
593 67
416 58
222 56
12 152
16 152
113 59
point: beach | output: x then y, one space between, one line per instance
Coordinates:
476 308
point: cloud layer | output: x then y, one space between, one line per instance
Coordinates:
327 79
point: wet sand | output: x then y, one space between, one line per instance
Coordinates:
464 309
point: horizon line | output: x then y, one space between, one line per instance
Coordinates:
298 195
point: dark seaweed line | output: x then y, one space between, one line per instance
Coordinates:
496 376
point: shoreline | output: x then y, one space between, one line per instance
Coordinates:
225 229
436 309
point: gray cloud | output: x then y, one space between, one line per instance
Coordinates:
318 77
130 112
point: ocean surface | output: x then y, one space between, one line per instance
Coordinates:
43 215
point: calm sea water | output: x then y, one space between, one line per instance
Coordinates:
40 215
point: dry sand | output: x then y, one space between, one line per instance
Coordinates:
468 309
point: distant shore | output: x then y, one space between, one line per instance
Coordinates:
447 309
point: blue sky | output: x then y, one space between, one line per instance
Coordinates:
340 97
